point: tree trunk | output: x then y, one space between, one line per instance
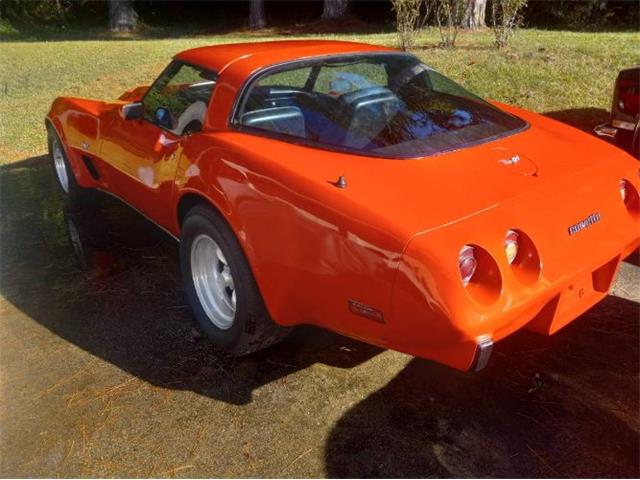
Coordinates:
334 9
474 15
122 16
256 15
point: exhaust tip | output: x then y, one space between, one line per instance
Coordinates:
484 348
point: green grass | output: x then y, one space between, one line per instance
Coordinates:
545 71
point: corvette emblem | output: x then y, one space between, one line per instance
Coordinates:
587 222
363 310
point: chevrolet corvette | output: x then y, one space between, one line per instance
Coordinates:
353 187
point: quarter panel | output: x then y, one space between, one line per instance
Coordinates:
311 245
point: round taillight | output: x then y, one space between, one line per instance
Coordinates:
511 245
629 194
467 264
624 190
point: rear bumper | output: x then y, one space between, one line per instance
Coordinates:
462 337
574 297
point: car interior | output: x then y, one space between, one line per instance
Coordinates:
352 119
373 112
192 118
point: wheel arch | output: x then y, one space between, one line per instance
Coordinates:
80 171
189 199
56 126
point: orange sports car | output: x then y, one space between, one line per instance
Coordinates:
351 186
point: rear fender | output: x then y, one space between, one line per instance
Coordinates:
198 180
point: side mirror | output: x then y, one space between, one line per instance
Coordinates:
164 118
133 111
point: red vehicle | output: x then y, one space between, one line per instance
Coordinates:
624 121
352 187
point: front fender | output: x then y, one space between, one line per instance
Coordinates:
77 123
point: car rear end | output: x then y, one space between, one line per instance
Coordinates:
535 261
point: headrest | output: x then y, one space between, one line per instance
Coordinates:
287 120
367 96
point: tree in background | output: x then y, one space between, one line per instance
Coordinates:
257 19
474 15
333 9
58 16
506 18
588 14
54 11
449 14
410 18
122 16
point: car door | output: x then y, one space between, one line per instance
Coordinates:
144 152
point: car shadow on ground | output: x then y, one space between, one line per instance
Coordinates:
561 406
107 280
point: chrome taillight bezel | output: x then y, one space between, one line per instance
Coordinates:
624 190
511 245
467 264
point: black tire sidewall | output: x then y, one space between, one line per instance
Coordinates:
203 221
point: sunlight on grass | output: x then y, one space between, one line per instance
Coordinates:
543 71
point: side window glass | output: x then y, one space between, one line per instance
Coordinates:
178 100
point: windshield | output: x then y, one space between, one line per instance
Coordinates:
378 104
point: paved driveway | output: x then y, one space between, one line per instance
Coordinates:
102 375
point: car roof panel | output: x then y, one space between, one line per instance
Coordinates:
219 57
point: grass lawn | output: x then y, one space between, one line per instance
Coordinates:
569 74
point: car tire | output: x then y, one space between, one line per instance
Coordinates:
62 171
225 300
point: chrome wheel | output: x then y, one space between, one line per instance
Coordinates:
60 165
213 281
